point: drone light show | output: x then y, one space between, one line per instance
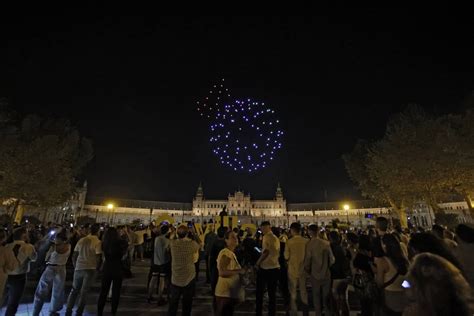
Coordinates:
245 134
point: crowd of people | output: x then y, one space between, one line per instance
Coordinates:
381 270
45 252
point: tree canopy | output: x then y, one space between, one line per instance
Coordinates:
420 158
40 159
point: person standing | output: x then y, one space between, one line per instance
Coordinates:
294 255
8 262
268 269
381 228
140 243
24 253
216 248
161 268
208 241
183 271
390 274
132 242
113 248
54 276
340 274
229 290
86 260
364 281
317 263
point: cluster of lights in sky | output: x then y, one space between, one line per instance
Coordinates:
245 134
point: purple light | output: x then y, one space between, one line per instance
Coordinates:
247 130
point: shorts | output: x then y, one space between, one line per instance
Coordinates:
164 269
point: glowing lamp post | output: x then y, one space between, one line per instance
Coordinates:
346 208
110 207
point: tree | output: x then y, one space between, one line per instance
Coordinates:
40 160
420 158
459 170
360 170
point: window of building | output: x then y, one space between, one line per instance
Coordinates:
238 205
238 213
245 213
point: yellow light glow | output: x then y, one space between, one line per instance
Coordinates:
110 206
346 207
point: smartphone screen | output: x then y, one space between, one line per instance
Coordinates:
258 249
406 284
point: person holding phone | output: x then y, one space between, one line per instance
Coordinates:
53 278
183 271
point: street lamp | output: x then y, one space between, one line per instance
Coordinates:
110 207
346 208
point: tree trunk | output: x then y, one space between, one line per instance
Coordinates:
45 212
401 213
13 214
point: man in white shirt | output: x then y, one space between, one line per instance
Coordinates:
86 260
318 259
24 253
294 254
268 270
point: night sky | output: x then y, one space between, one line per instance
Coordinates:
130 85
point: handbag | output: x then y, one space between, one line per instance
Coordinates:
241 294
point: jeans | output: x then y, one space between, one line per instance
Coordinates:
107 280
188 294
54 277
295 282
267 278
15 287
321 290
83 280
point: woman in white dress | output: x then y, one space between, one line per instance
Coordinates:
229 291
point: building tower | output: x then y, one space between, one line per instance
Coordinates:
198 201
279 193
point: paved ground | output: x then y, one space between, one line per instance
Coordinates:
133 298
